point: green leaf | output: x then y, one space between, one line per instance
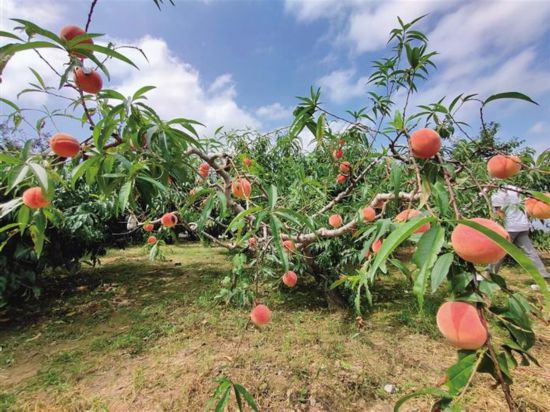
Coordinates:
9 102
422 392
440 270
21 175
509 95
6 208
517 254
41 175
241 216
224 400
272 196
9 35
124 194
142 91
23 217
425 256
38 232
247 396
398 236
459 374
15 48
104 50
79 170
276 226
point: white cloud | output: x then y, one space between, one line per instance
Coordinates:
341 86
275 111
539 128
180 91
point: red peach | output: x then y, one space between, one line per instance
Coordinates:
341 179
290 278
241 188
151 240
369 214
462 325
474 246
409 214
425 143
260 315
503 167
88 81
537 208
335 221
345 167
337 154
169 220
34 198
64 145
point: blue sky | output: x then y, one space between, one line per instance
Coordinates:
241 63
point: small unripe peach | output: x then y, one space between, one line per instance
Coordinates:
335 221
473 246
204 169
537 208
462 325
503 167
289 246
148 227
345 167
337 154
88 80
70 32
169 220
290 278
64 145
409 214
247 162
425 143
260 315
241 188
369 214
341 142
151 240
34 198
341 179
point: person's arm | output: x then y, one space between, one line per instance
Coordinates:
500 213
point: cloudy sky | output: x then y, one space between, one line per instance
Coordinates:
241 63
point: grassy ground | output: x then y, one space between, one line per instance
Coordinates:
138 336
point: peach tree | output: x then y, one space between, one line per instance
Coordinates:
375 179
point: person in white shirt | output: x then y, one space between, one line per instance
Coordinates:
507 204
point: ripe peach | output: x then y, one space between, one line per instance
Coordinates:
503 167
148 227
252 242
260 315
204 169
335 221
425 143
88 81
345 167
537 208
247 162
462 325
377 245
337 154
341 179
290 278
369 214
474 246
169 220
70 32
408 214
34 198
151 240
64 145
289 246
241 188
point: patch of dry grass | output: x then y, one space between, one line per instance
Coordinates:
149 337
